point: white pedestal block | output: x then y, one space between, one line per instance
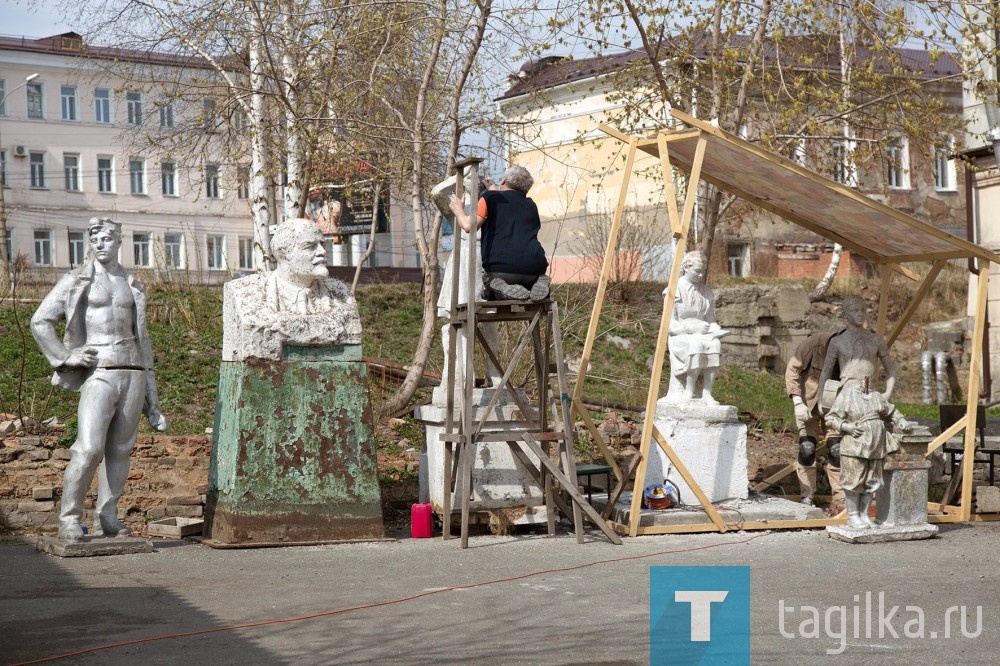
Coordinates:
712 444
499 480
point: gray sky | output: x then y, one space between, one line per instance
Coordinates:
20 20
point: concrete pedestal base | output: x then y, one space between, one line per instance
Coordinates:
712 444
499 480
93 546
882 533
293 456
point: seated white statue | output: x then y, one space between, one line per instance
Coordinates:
298 303
694 336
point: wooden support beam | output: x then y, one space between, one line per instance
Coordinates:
609 456
972 391
883 303
948 433
668 186
915 302
570 489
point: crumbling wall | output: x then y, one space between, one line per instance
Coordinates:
168 477
766 324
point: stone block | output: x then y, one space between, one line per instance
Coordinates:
156 512
987 499
43 493
186 511
31 441
36 454
27 507
178 500
61 454
92 546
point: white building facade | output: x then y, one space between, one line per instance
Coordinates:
66 158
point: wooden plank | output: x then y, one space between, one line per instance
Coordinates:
571 490
567 418
688 479
505 379
620 487
915 302
972 390
927 256
668 186
883 303
609 456
968 248
815 523
500 435
652 394
602 283
783 472
949 432
934 520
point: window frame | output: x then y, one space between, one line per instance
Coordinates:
77 247
166 113
142 257
137 176
133 108
102 103
71 174
43 244
106 177
945 173
212 190
3 97
36 170
169 246
35 91
897 153
246 258
168 176
69 104
215 252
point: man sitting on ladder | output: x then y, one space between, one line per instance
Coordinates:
513 260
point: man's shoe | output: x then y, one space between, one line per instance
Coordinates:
540 290
113 527
71 532
509 292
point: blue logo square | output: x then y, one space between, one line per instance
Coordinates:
699 615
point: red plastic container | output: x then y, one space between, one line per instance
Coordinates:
420 521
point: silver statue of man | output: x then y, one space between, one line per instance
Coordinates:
106 356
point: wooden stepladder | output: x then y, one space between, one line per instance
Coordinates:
532 437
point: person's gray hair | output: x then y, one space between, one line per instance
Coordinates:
518 178
99 224
283 239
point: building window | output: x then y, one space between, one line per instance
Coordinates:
166 114
240 121
944 167
137 176
37 166
898 164
3 168
737 255
243 182
208 115
71 169
105 174
794 148
140 248
246 254
168 178
43 247
173 250
34 92
215 252
133 105
102 105
212 181
68 96
77 248
9 242
3 97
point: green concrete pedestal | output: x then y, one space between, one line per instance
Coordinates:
293 451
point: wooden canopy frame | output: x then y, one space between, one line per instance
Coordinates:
884 235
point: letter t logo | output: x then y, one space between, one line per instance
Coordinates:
701 610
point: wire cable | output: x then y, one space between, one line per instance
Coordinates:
377 604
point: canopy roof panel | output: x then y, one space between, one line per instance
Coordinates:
823 206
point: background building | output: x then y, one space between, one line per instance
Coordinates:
554 107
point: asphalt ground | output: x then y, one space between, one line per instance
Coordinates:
524 599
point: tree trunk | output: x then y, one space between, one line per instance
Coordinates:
831 272
260 211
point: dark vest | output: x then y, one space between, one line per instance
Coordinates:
510 234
